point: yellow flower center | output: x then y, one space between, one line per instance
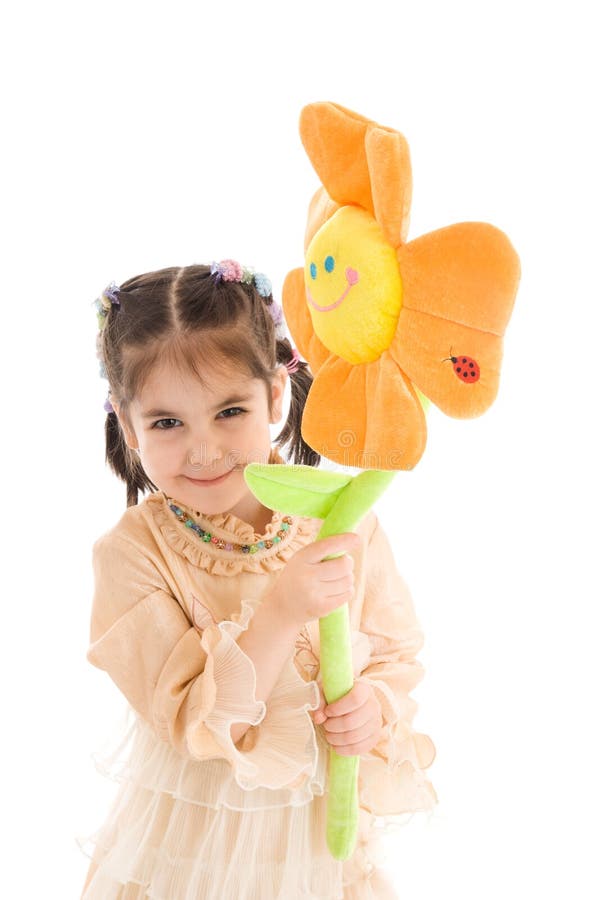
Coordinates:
353 286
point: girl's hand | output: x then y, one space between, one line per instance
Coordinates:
353 723
309 586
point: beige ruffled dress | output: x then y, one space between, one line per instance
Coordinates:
197 817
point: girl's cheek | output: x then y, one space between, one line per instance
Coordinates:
157 453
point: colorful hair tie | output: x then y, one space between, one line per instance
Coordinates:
276 313
294 363
111 293
226 270
107 298
262 284
231 270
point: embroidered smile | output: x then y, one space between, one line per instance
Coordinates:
351 278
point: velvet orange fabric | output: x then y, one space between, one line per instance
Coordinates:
447 317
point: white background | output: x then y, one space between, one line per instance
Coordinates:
140 135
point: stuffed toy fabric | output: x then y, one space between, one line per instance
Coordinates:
386 326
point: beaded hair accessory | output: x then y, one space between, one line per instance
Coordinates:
108 297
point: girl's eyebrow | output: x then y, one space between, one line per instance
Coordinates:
229 401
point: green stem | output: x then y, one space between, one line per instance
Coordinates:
341 501
336 664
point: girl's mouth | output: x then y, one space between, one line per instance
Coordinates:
209 481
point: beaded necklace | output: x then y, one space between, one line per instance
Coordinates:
208 538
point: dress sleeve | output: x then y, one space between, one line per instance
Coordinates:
192 685
391 774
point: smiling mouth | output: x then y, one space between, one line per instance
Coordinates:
351 278
210 480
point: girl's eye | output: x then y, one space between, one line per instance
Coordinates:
157 424
235 410
232 409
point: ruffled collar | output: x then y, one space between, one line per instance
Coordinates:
231 529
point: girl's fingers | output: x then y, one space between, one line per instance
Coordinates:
332 569
340 543
318 714
348 738
348 724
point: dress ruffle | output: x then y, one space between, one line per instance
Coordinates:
155 845
231 529
391 778
140 758
182 829
283 751
398 784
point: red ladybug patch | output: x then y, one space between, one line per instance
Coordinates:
465 368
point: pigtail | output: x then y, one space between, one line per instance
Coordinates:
300 452
123 461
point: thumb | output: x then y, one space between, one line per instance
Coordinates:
333 546
318 714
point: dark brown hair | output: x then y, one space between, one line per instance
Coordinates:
188 319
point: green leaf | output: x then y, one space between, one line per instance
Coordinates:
297 490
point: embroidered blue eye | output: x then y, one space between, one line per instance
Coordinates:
329 264
313 271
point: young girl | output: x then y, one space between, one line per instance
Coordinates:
206 609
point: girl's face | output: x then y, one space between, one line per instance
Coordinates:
194 442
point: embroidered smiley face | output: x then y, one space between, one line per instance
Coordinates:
353 286
329 265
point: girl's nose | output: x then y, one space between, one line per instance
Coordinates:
204 454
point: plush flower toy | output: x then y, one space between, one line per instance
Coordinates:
386 327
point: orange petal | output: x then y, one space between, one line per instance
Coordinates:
334 139
359 163
466 273
388 159
321 208
367 416
299 322
421 348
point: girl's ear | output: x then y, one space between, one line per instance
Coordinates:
277 392
129 434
